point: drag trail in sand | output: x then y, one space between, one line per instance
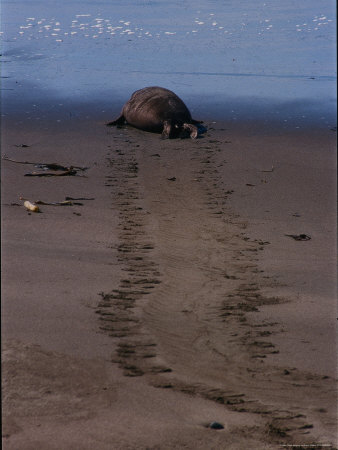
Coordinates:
191 277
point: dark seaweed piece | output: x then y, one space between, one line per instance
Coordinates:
299 237
79 198
67 172
45 166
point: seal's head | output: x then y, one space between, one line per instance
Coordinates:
182 130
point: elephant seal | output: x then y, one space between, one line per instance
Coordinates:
158 110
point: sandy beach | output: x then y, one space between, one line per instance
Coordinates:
172 296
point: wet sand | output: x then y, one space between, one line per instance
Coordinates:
173 298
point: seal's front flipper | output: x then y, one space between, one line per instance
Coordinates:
119 121
192 129
167 130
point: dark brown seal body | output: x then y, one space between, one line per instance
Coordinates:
158 110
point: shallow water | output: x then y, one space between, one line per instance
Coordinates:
231 60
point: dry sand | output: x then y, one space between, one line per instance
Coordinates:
173 298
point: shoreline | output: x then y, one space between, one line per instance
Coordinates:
267 115
186 255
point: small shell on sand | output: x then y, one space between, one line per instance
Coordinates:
31 206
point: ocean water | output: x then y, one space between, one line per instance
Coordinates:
231 59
